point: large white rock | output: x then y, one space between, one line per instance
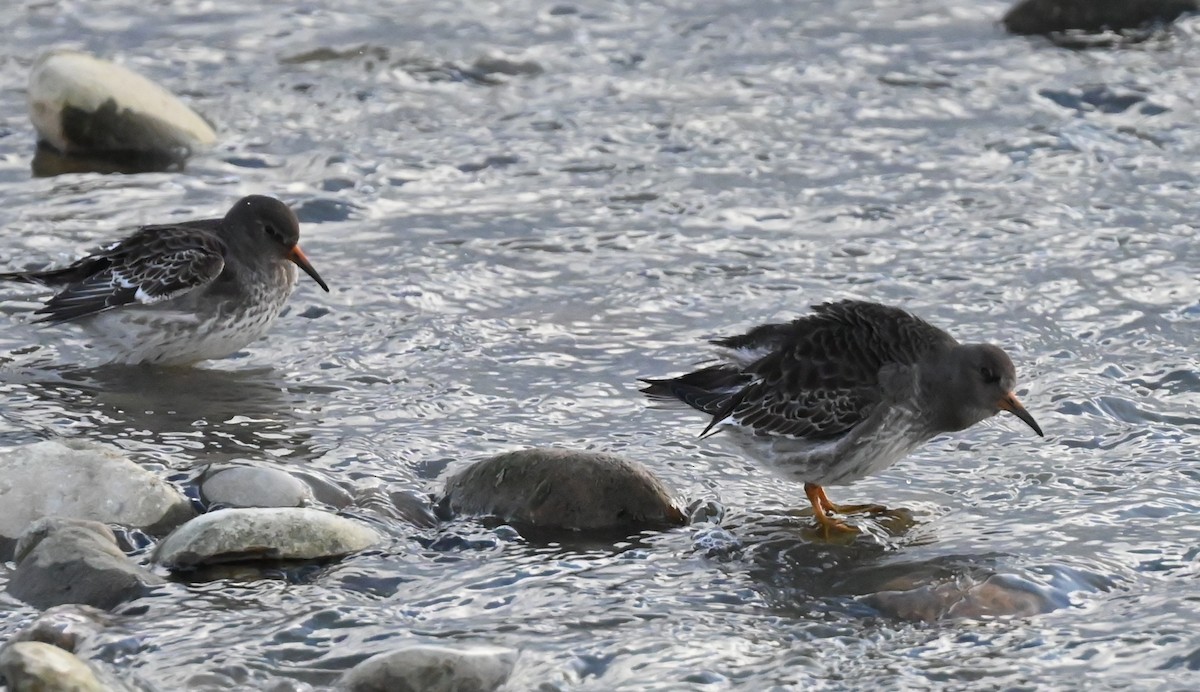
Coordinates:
38 667
261 533
83 480
430 668
80 104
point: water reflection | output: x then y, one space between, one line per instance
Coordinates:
208 414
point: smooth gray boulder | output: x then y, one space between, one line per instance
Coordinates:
430 668
62 560
82 105
563 489
83 480
260 533
38 667
253 486
1056 16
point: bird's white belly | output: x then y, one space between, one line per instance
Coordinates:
873 447
161 335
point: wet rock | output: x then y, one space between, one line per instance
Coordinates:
402 505
499 64
72 561
253 486
427 668
81 105
998 595
1054 16
66 626
558 488
325 490
38 667
283 533
82 480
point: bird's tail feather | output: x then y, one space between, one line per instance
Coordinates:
715 390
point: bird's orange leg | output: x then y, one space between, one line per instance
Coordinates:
844 509
828 525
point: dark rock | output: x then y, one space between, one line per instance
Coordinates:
498 64
1054 16
82 480
427 668
63 560
282 533
558 488
253 486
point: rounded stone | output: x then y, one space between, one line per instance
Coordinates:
279 533
428 668
63 560
996 595
38 667
83 480
254 486
565 489
80 104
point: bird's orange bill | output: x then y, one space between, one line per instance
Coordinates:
1009 403
298 257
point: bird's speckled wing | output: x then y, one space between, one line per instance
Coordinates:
822 378
156 263
816 377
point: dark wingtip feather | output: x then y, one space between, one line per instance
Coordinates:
657 388
21 277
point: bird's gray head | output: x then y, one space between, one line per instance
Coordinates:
272 226
972 382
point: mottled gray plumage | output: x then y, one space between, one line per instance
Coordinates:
846 391
179 293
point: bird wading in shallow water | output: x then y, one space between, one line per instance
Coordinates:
844 392
176 294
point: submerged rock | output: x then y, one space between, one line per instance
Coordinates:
283 533
1054 16
428 668
253 486
563 489
72 561
997 595
38 667
81 105
66 626
83 480
397 504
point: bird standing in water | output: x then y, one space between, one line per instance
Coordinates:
844 392
176 294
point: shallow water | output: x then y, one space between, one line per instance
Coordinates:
509 252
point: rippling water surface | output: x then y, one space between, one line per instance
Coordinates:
511 243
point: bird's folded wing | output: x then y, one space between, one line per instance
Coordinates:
145 269
815 414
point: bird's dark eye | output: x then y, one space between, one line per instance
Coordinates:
989 375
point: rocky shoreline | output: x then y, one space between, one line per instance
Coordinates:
63 499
